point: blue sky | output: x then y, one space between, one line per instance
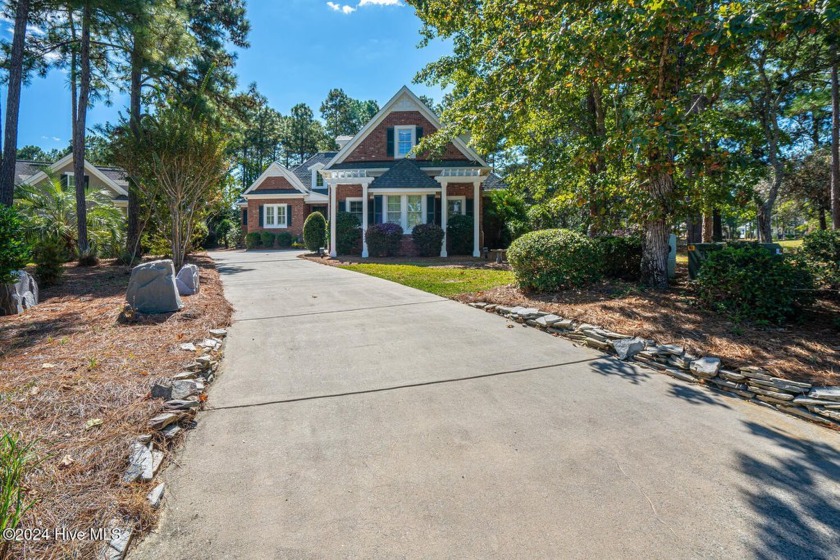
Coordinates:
300 49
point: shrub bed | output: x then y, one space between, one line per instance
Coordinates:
459 235
428 239
253 240
348 234
821 252
285 239
747 282
621 257
554 259
383 240
315 231
267 239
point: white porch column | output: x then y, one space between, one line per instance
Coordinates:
476 217
333 214
444 207
364 218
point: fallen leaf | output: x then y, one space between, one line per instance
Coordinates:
47 366
66 461
92 423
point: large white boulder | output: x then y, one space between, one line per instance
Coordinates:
187 280
19 295
152 289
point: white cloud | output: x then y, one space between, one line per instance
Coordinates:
380 3
53 138
345 9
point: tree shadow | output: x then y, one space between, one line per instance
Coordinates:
610 366
795 497
694 395
19 335
227 269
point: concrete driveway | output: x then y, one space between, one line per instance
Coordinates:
357 418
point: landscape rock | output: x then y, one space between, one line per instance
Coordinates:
772 394
118 545
171 431
186 388
548 320
162 391
187 280
756 373
782 385
152 289
731 375
188 346
164 419
140 463
706 368
157 461
802 413
680 374
184 375
156 495
672 349
826 393
218 333
833 414
628 347
682 362
181 404
564 324
20 295
597 344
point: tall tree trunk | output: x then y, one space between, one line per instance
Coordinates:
657 229
835 142
132 238
823 221
708 226
717 226
79 132
763 217
7 168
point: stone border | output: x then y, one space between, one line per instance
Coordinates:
817 404
183 395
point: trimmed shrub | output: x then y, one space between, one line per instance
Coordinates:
50 256
267 239
315 231
747 282
383 240
821 253
621 257
285 239
253 240
554 259
14 252
348 234
459 235
428 238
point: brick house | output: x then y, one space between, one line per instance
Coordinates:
377 176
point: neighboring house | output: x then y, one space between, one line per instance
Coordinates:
375 176
110 180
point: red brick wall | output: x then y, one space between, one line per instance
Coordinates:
375 146
274 183
348 191
299 213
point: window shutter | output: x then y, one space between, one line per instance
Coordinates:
261 215
418 134
390 145
289 216
469 207
430 208
377 209
244 216
371 212
438 211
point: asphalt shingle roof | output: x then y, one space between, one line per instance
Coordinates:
387 164
404 174
25 169
302 171
494 182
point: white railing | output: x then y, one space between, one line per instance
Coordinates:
348 174
461 173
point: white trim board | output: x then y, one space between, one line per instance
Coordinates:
277 170
89 167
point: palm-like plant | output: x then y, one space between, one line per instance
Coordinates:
50 211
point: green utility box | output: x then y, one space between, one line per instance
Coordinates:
698 252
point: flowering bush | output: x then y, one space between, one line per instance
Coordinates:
383 240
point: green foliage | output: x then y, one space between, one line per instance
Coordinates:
428 238
505 216
285 239
253 240
50 256
747 282
554 259
459 235
14 251
383 240
16 461
443 281
346 116
621 257
821 253
315 231
267 239
348 233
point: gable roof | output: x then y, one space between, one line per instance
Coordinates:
403 95
404 174
117 186
277 170
303 171
494 182
24 169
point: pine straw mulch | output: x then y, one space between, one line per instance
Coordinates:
73 359
807 350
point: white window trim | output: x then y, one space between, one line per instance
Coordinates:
463 200
277 214
347 202
404 209
410 128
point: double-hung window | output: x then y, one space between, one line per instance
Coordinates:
404 139
354 206
414 211
407 210
456 205
394 210
274 215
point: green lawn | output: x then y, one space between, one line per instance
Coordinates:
790 243
446 282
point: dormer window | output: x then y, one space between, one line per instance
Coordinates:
405 138
319 179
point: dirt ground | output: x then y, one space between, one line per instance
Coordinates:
75 378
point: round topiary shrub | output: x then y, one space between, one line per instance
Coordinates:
285 239
315 231
621 256
267 239
348 234
821 253
747 282
253 240
383 240
554 259
428 239
459 235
